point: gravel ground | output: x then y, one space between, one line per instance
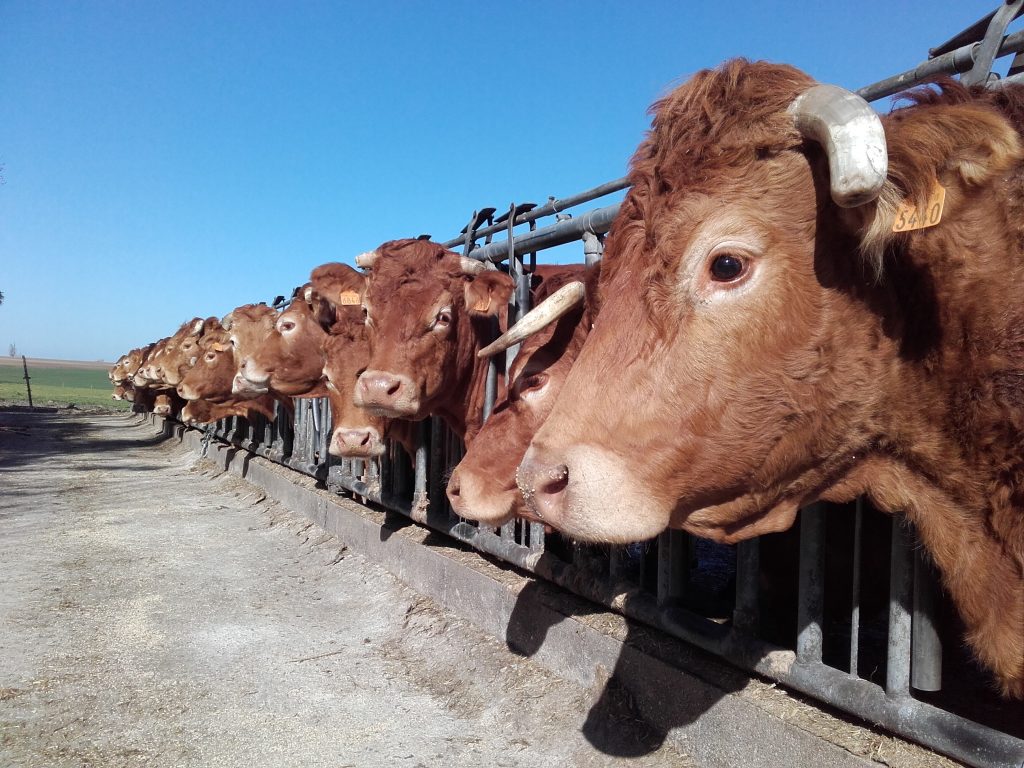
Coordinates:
154 612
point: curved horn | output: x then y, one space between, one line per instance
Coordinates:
225 322
471 266
852 136
197 327
556 305
367 260
308 294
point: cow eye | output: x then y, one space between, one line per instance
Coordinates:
285 326
534 381
443 319
210 357
726 267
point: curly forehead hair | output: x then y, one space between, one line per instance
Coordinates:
408 261
722 117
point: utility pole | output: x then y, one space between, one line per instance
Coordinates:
27 385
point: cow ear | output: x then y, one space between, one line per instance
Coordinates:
339 284
487 293
940 157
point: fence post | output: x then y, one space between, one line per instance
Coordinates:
28 386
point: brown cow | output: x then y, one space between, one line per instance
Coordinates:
289 361
182 350
761 346
356 432
428 311
163 366
483 485
205 412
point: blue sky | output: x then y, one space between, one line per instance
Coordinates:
165 160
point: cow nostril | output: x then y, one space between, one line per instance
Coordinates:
552 481
454 486
393 387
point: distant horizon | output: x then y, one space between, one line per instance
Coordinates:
8 360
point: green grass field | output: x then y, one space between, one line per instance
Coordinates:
58 385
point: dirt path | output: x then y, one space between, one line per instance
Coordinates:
153 613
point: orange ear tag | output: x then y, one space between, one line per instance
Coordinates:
909 217
218 347
482 305
349 299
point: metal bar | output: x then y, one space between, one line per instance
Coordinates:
598 221
992 43
951 62
419 488
810 606
972 34
436 467
954 62
926 646
897 667
673 562
551 207
746 615
858 534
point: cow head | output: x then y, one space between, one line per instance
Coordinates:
179 352
211 376
762 343
483 485
357 433
427 311
290 360
247 326
146 374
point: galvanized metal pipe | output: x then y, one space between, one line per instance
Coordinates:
858 536
811 605
897 667
597 221
548 209
926 664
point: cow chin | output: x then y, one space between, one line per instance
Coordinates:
590 496
242 386
472 499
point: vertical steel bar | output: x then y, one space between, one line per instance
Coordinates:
897 668
435 491
673 561
810 606
858 532
419 488
926 664
536 536
746 616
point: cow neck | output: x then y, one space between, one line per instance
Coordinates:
463 411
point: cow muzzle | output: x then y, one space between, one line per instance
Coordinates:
543 486
474 498
387 394
243 385
360 443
